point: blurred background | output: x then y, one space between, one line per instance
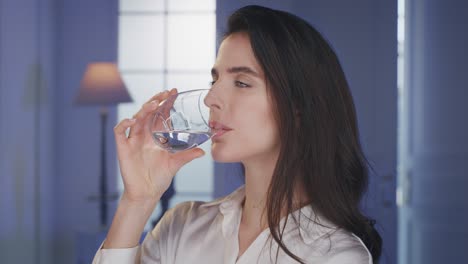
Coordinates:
405 61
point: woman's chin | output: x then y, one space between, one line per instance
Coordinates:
223 155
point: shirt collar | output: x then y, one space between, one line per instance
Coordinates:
230 207
311 225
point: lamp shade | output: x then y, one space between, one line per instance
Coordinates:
102 85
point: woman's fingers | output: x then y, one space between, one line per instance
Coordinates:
121 128
146 110
156 98
149 108
163 95
142 116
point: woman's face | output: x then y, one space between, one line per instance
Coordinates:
241 112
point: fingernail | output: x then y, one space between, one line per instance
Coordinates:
132 120
155 102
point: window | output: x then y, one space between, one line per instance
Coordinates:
165 44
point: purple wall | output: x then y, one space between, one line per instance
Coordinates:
434 211
87 32
26 103
49 161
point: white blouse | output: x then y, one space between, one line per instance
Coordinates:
197 232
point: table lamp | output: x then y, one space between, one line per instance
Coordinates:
102 85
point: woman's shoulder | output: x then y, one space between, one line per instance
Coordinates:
333 244
346 247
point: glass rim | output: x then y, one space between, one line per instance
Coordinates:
184 92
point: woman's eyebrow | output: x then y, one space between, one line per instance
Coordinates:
239 69
243 69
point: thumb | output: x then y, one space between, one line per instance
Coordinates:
185 157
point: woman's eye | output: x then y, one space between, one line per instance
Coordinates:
241 84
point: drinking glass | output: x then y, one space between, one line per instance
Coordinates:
181 121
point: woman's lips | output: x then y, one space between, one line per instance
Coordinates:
218 129
219 133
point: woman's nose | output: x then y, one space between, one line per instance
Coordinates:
212 100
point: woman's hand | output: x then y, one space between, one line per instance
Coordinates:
147 170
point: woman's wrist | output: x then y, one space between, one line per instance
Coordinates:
129 222
147 203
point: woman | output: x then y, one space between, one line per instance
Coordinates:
280 104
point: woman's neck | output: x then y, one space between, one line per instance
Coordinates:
258 176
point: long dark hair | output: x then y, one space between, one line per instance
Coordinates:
320 148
